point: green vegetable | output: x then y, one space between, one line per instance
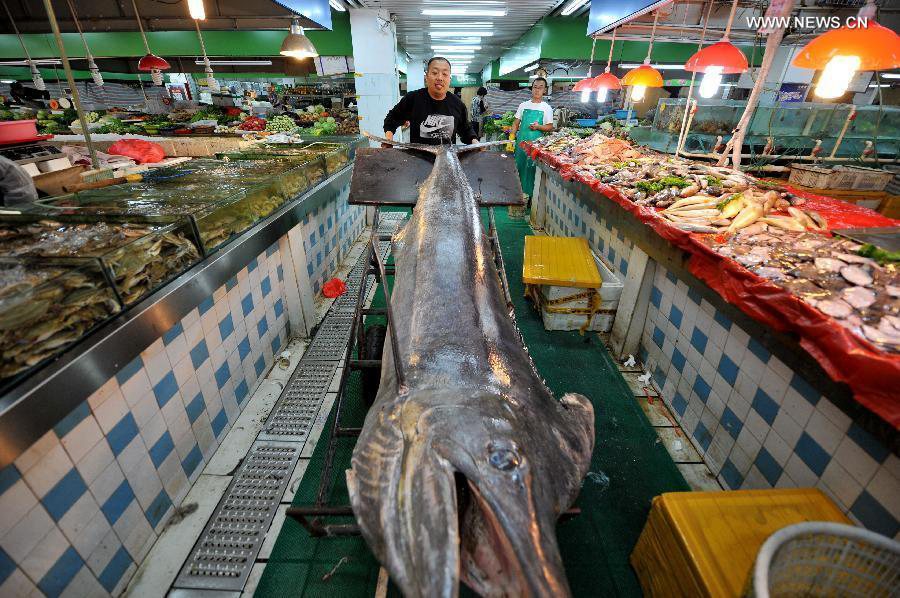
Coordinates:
90 117
879 255
674 181
281 124
721 205
714 181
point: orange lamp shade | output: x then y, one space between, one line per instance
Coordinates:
644 75
153 62
723 54
877 47
607 81
585 84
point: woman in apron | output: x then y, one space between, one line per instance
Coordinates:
533 119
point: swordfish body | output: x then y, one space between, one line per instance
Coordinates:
462 472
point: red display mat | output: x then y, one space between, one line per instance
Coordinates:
872 374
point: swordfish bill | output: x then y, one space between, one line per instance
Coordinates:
462 472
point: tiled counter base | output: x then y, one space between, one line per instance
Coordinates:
84 504
755 421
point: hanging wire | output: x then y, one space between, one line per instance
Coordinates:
682 133
210 79
730 19
612 43
92 66
137 15
652 35
591 63
35 73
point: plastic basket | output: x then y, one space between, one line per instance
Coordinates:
826 559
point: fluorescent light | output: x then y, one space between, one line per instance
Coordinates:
890 75
456 12
659 67
236 62
882 85
38 61
572 6
473 33
336 5
528 69
476 25
456 48
7 81
195 7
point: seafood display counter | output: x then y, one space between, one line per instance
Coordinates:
775 343
93 283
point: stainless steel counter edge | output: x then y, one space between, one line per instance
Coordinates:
33 407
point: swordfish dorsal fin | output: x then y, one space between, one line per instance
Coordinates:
392 176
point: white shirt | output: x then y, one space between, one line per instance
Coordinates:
540 107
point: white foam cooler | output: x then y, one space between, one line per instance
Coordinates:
610 291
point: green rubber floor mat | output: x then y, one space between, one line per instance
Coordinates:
629 467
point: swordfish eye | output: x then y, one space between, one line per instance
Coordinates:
504 457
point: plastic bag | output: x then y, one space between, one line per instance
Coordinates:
142 152
334 288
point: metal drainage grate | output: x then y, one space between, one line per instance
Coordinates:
224 555
293 415
330 342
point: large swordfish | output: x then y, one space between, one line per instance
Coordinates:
464 470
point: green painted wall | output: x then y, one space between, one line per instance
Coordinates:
180 43
525 51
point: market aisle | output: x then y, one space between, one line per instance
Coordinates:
629 467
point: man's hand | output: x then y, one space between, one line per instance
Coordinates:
388 135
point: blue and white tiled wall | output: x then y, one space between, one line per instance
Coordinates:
569 216
756 423
328 233
83 505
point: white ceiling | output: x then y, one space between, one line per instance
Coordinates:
413 27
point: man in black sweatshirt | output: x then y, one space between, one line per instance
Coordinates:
435 116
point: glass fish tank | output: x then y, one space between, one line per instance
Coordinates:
46 304
138 257
793 126
217 211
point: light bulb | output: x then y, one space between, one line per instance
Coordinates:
637 92
836 77
156 76
601 94
709 85
585 95
195 7
36 77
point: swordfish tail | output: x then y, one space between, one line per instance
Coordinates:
462 473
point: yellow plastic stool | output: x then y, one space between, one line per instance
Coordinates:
705 543
560 261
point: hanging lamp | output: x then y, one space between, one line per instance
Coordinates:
645 75
92 66
840 53
36 77
296 44
211 82
150 62
586 86
606 80
196 9
721 58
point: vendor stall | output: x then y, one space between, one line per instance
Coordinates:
772 343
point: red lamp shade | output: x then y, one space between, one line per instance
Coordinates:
723 54
585 84
607 81
644 75
878 48
153 62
